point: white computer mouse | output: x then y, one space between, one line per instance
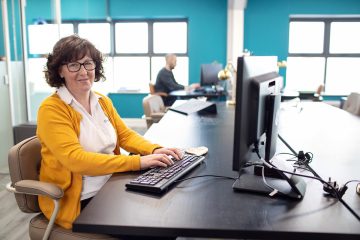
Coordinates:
197 150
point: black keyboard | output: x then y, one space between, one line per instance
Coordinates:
157 179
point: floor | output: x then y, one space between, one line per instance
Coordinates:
13 222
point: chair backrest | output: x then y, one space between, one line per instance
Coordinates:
24 164
318 94
152 104
153 91
151 88
352 103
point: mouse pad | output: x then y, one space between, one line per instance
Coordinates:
197 150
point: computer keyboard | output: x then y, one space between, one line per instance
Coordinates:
158 179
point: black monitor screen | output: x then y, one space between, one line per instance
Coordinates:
209 74
256 78
256 130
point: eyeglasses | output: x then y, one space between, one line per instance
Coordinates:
75 66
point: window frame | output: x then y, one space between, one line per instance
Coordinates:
150 23
327 20
150 54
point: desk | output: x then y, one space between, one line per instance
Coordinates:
208 207
183 94
289 94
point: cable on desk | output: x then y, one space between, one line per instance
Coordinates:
337 193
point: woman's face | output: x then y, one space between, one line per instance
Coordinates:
79 75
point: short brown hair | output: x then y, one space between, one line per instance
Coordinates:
70 49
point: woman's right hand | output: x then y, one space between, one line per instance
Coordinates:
155 160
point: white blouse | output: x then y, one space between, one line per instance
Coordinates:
96 135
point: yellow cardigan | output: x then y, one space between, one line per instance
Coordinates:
64 161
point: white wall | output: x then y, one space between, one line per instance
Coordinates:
6 134
19 107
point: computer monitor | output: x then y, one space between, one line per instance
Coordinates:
255 132
247 68
209 74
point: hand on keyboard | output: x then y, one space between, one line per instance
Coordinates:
174 152
158 179
161 157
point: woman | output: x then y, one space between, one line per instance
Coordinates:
81 133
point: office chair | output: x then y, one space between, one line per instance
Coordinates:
154 109
153 92
24 164
352 103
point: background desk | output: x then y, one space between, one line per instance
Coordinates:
208 207
183 94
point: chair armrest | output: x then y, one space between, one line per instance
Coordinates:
157 116
39 188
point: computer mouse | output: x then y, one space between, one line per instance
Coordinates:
197 150
358 188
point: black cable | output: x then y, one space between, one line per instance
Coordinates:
306 176
295 153
358 181
316 177
349 208
287 145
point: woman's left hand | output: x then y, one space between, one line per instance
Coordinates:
175 152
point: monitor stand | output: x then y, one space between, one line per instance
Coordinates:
293 187
288 185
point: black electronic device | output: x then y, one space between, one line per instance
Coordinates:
193 105
256 122
158 179
209 74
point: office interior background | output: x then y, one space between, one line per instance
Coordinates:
317 39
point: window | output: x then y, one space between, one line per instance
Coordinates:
306 37
131 37
134 50
324 50
39 44
131 73
98 34
170 37
140 49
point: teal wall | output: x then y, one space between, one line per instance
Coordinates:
207 25
2 50
266 30
128 105
12 33
207 21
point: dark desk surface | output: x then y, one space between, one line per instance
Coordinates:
208 207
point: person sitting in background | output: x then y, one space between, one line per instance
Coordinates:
165 80
81 133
